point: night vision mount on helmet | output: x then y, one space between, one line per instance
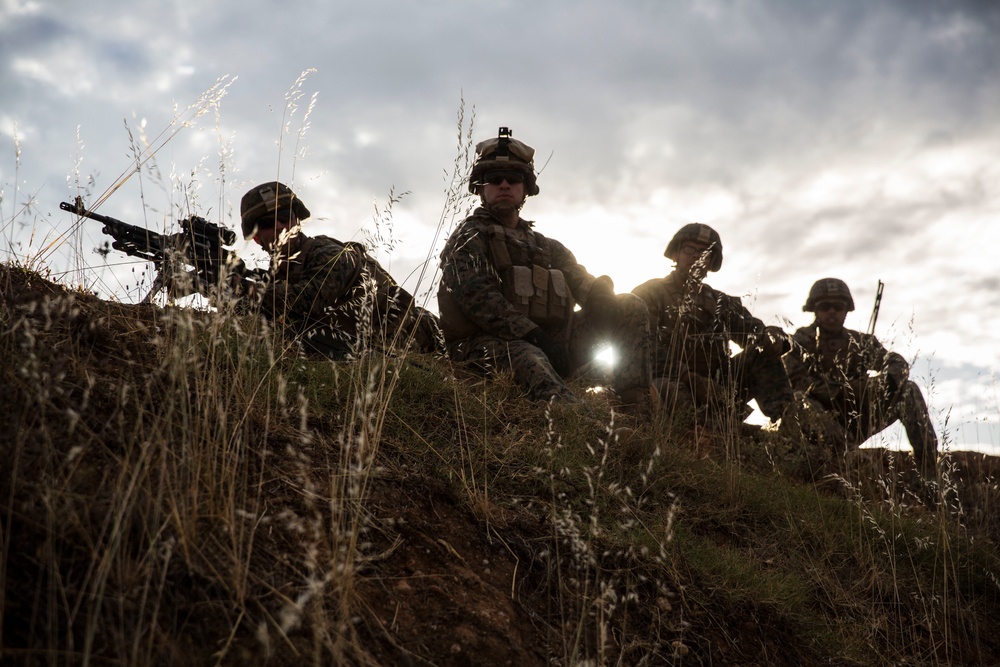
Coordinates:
504 153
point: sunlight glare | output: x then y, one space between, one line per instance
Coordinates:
606 356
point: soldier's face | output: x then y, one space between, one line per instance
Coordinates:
500 194
831 314
693 255
266 236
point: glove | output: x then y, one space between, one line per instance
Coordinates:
555 350
892 384
602 302
774 342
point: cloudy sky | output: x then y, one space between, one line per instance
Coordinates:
854 139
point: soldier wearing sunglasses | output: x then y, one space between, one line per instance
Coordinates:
508 294
850 385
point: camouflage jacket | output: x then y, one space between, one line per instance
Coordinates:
339 299
472 296
822 364
694 323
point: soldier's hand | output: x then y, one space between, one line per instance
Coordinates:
556 350
602 302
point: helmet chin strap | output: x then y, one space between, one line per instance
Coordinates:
492 209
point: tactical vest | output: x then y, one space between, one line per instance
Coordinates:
688 333
527 281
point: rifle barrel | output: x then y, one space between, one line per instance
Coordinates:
79 209
199 244
878 304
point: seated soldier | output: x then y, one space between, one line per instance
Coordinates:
692 363
851 387
508 293
334 297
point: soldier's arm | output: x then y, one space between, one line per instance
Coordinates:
740 325
467 274
650 293
795 367
577 277
802 368
327 273
668 359
885 361
745 329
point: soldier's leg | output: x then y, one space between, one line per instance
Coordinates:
814 437
675 396
766 381
913 414
866 408
528 364
628 335
819 424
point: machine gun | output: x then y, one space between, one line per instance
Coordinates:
192 260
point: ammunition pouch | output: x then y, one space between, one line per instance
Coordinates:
539 294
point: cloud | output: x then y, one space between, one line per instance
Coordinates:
853 139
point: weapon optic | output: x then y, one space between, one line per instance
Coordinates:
192 260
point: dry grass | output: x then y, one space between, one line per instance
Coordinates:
181 486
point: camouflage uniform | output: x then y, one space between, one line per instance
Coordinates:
339 300
830 376
491 276
334 296
692 363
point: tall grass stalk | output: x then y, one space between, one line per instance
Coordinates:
181 474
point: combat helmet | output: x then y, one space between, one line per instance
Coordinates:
699 233
827 289
507 154
261 203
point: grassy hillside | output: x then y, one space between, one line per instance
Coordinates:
179 487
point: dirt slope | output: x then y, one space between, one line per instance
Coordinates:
155 510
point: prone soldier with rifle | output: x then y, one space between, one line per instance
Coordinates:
332 298
848 385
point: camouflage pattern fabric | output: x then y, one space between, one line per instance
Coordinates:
830 373
692 364
338 300
483 327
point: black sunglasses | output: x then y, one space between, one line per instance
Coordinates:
823 306
283 216
498 177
